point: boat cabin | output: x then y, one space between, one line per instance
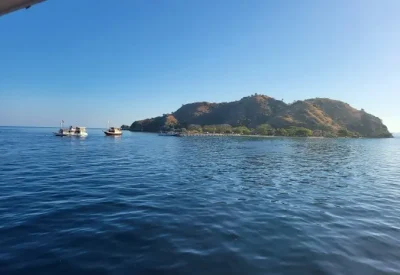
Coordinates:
115 130
80 130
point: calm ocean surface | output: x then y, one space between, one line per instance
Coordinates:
145 204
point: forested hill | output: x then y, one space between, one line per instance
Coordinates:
322 116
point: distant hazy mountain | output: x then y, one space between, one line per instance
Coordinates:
316 114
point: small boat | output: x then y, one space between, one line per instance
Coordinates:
72 131
170 134
113 131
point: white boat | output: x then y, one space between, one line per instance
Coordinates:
72 131
113 131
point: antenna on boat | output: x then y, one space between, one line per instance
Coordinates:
108 124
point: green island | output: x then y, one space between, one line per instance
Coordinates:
265 116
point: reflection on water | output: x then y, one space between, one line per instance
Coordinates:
145 204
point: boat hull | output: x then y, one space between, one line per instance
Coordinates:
112 134
70 135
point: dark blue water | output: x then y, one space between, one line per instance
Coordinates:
144 204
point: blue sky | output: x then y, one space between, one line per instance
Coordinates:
89 61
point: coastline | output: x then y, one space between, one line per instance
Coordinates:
235 135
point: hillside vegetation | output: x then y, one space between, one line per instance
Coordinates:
260 114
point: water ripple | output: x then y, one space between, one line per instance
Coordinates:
144 204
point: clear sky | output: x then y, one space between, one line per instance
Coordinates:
89 61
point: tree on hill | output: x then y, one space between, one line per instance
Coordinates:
170 121
209 128
271 132
344 133
246 131
299 132
223 128
195 128
281 132
236 130
263 129
242 130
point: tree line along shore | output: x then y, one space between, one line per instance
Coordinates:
261 130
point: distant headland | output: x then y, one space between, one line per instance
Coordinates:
264 115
